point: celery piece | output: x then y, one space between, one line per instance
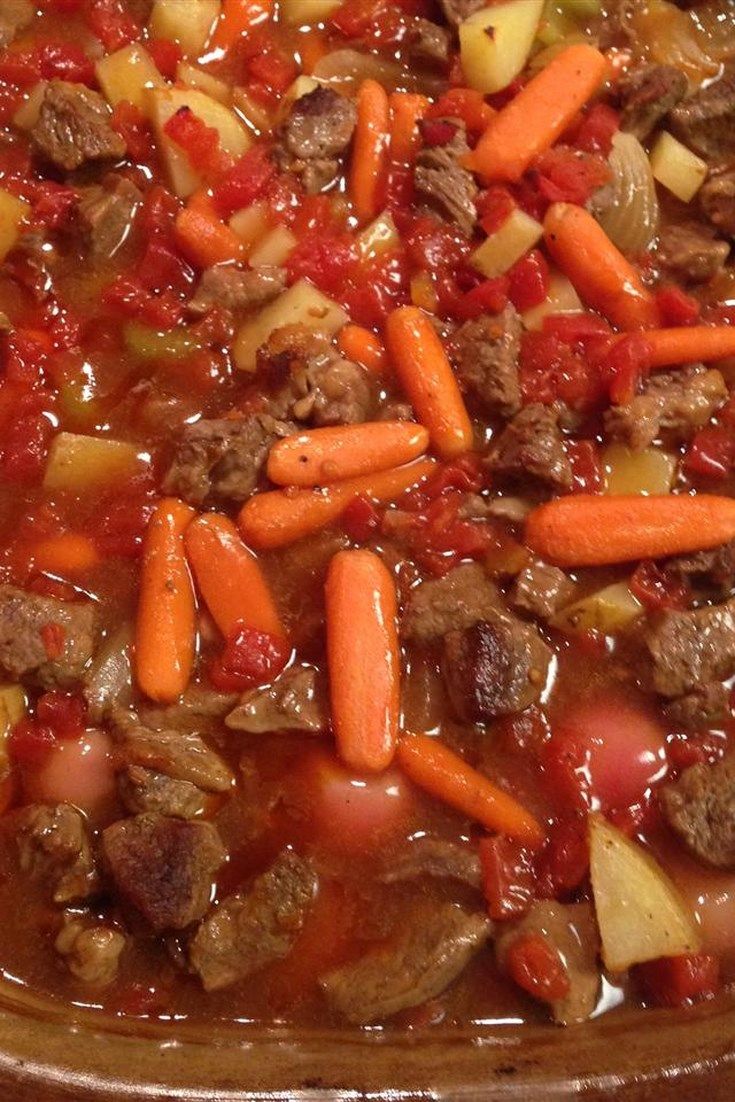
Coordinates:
148 344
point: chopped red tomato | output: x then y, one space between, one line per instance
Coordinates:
688 749
584 457
494 207
711 453
243 183
536 966
595 130
508 877
680 981
249 658
563 863
200 143
112 23
676 307
361 519
166 55
325 260
30 743
528 281
64 713
488 297
135 130
658 588
564 175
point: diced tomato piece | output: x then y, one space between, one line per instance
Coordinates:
536 966
711 453
21 69
64 713
494 207
564 175
112 23
52 204
551 370
166 55
508 877
586 464
249 658
465 104
30 743
361 519
437 131
680 981
658 588
623 364
244 182
65 61
594 131
563 863
325 260
688 749
63 7
676 307
488 297
133 127
528 281
603 753
200 143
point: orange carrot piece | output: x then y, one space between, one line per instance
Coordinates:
280 517
689 343
438 770
166 623
323 456
229 577
204 239
237 18
363 659
369 150
597 530
407 110
363 347
68 554
538 115
602 276
428 380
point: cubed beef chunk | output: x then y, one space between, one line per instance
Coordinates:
44 639
484 352
443 184
14 17
317 132
164 867
296 701
182 755
144 790
74 127
531 446
705 122
433 945
691 649
496 667
675 403
646 94
222 460
709 707
571 931
91 951
700 809
711 570
542 590
717 200
198 709
458 600
54 847
456 11
108 681
691 252
255 928
435 858
428 42
106 212
320 387
232 289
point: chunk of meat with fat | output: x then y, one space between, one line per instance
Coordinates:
142 790
708 707
705 122
296 701
542 590
443 184
316 133
105 212
164 867
44 639
700 809
427 42
255 928
691 252
54 847
484 353
435 858
691 649
571 930
182 755
91 951
647 93
674 403
238 291
712 570
197 710
426 954
222 460
458 600
495 667
532 446
73 127
717 200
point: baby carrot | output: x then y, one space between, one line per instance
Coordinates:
67 554
280 517
323 456
541 111
428 380
370 149
229 577
407 110
689 343
437 769
165 627
602 276
363 347
204 239
363 659
597 530
238 17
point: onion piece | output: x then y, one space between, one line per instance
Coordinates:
627 208
717 23
344 70
110 679
670 36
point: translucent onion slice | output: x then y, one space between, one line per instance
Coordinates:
671 36
627 208
717 23
345 69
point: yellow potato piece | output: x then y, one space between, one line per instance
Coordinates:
301 304
495 43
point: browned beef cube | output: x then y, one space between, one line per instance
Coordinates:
74 127
44 639
164 867
532 447
182 755
317 132
54 847
647 93
144 790
691 252
676 403
428 42
705 122
458 600
542 590
296 701
435 858
443 184
318 386
232 289
106 213
485 352
717 200
700 808
691 649
456 11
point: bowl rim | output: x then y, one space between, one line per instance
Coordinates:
53 1053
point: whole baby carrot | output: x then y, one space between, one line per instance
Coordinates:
322 456
363 659
689 343
369 150
364 347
